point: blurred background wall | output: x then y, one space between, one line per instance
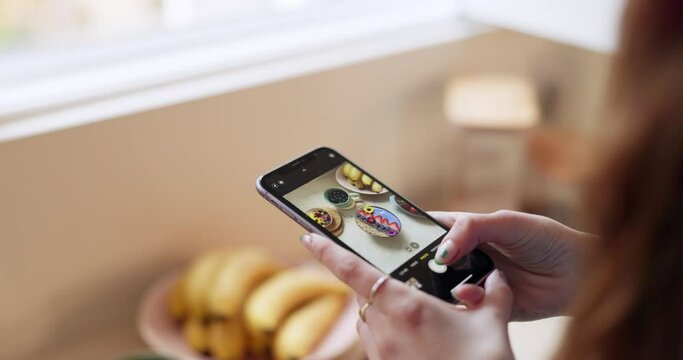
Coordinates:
90 215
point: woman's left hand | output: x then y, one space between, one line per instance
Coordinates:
405 323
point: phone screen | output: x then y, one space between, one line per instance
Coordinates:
362 214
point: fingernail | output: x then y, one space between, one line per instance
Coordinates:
453 294
444 252
502 275
458 301
306 240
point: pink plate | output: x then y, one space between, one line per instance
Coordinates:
163 334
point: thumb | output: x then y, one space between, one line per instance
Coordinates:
469 295
498 294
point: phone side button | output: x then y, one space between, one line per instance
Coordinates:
305 225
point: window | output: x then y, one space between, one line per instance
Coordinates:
31 24
69 62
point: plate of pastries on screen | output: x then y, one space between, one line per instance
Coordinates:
352 178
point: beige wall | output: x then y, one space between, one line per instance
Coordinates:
90 215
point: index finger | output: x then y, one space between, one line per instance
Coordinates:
446 218
354 271
469 230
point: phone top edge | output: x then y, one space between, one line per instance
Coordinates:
319 148
260 189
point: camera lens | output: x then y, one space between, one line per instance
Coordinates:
281 182
274 185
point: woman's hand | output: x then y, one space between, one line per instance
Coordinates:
405 323
538 256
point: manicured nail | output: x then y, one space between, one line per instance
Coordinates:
306 240
444 252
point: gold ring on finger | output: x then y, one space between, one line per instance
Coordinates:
361 311
376 286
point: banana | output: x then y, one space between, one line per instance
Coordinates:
271 302
236 278
259 344
195 333
304 329
199 282
227 339
177 306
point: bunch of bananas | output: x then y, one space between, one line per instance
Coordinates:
359 179
239 302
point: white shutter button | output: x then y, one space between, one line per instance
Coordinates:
439 269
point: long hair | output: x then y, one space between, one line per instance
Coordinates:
630 303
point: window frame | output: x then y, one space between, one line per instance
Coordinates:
106 81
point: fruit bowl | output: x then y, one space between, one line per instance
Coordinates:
344 182
404 206
163 334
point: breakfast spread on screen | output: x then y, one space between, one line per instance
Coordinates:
360 212
242 303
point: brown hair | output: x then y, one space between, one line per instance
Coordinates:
630 304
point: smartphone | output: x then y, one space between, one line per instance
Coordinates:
328 194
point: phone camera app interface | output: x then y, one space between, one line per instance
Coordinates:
386 229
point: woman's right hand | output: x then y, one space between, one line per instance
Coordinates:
537 255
